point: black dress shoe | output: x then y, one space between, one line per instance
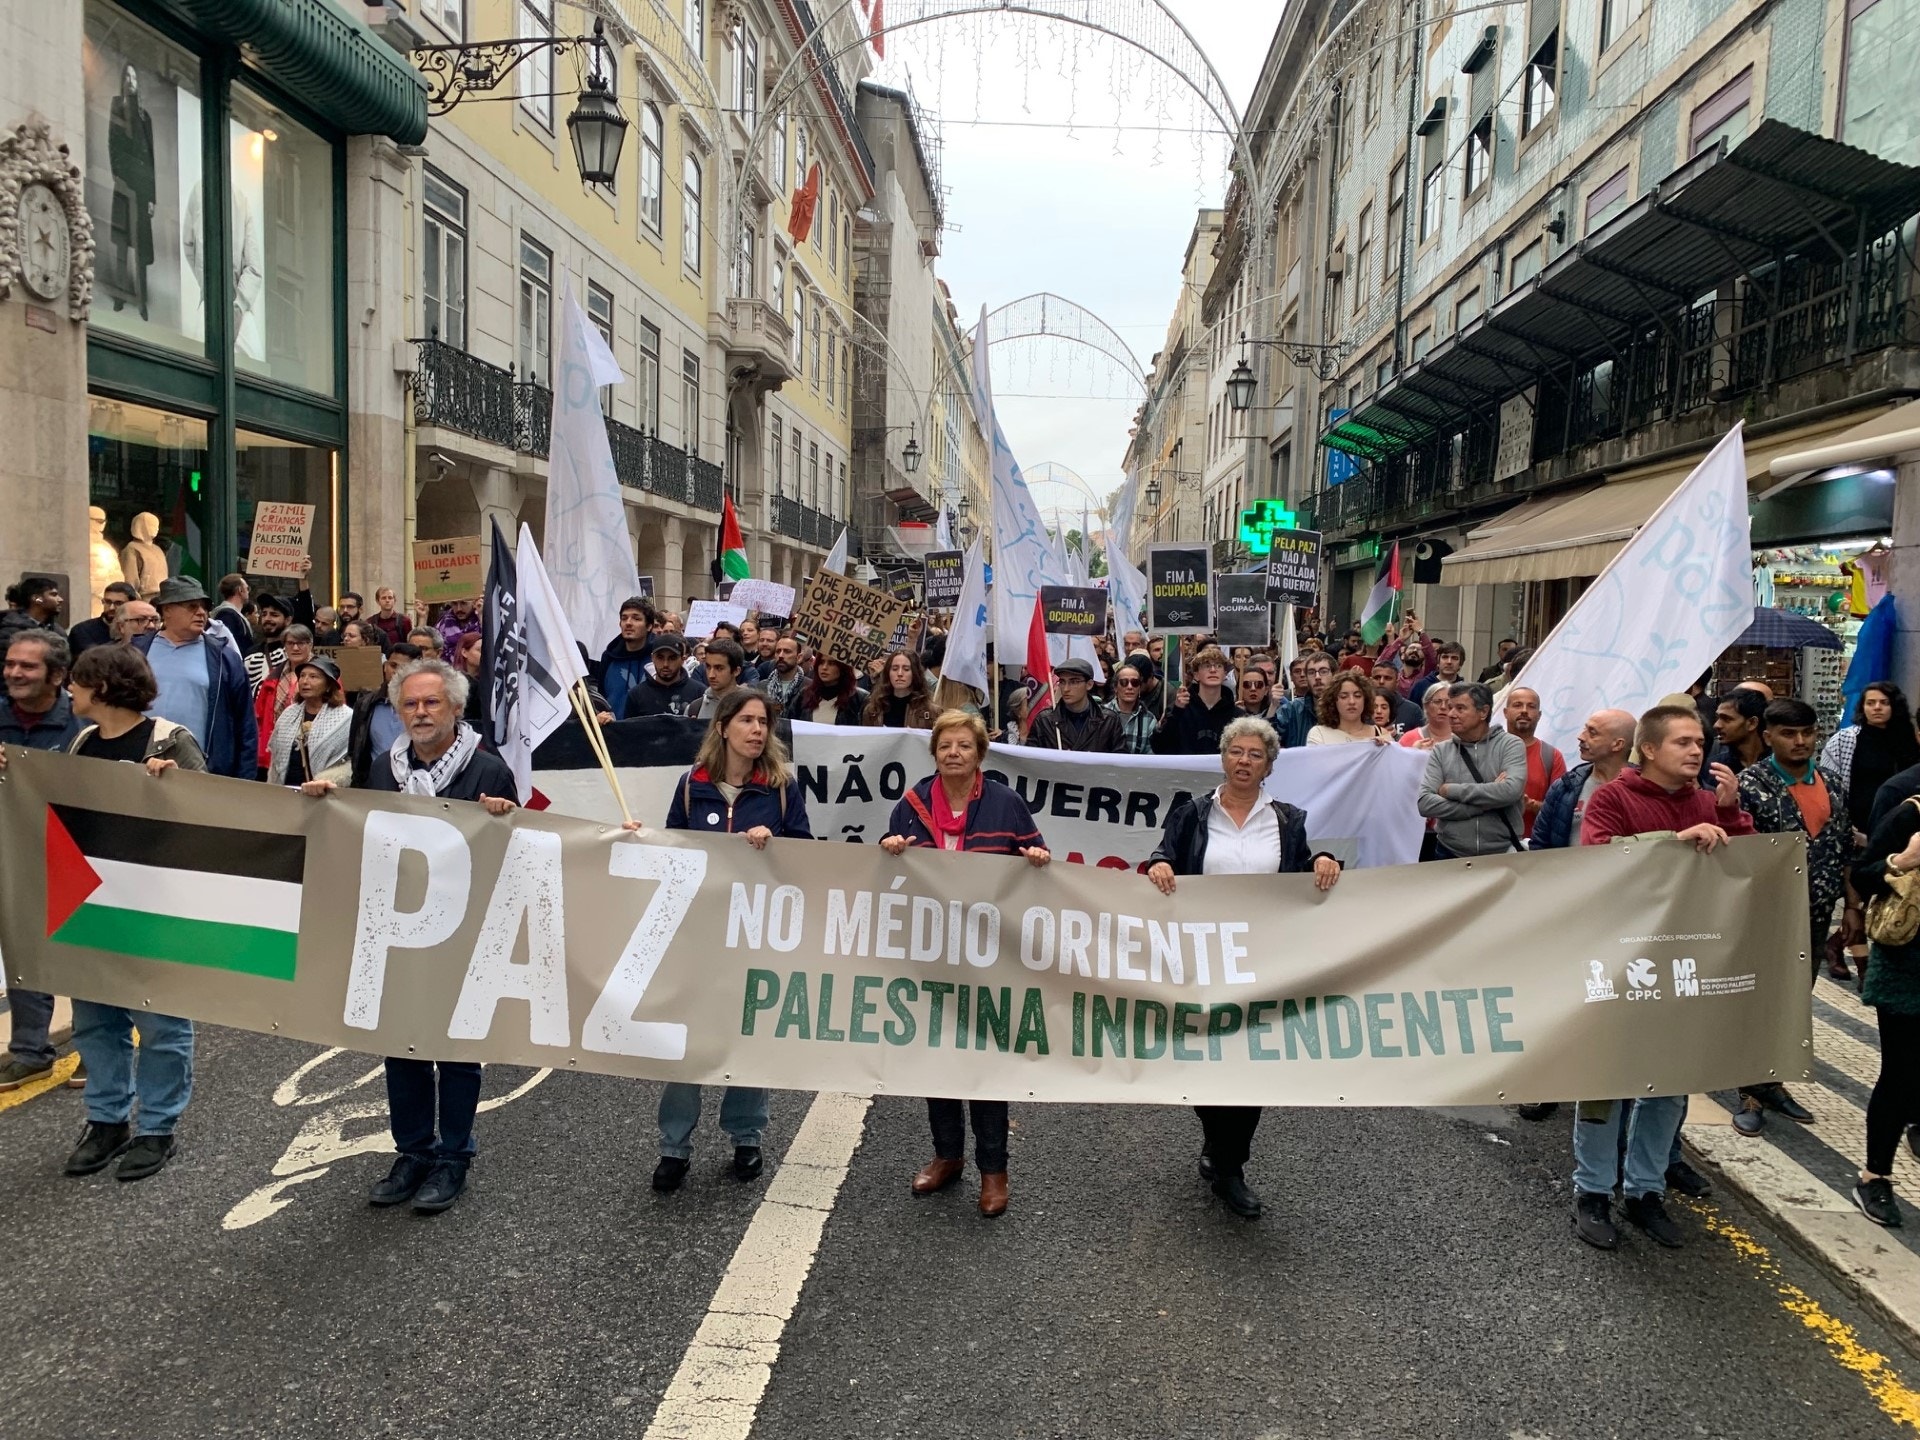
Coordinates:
147 1155
1688 1181
1537 1112
669 1174
97 1147
1237 1194
442 1187
409 1172
1206 1167
747 1162
1749 1119
1776 1098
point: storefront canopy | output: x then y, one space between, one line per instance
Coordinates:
1891 433
1722 214
327 60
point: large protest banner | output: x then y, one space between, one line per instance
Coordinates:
410 926
1105 810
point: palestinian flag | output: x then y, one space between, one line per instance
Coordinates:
190 894
1377 614
730 559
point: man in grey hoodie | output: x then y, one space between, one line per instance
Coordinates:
1475 781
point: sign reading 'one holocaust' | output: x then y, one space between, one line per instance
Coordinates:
1293 568
535 939
1179 589
1073 609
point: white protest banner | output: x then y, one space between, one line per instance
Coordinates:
703 615
1104 810
278 547
767 597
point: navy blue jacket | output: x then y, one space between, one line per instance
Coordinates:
1183 842
998 821
1553 821
233 736
621 671
697 804
54 730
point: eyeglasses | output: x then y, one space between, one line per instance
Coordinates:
1128 684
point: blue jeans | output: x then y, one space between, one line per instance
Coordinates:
159 1073
1653 1131
32 1018
416 1089
743 1115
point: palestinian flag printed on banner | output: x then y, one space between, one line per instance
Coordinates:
160 890
1384 599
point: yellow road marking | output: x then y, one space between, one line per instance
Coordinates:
1899 1402
62 1068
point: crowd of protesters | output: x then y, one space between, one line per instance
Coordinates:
237 684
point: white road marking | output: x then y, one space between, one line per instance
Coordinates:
323 1141
716 1392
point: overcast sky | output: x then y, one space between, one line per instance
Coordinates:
1073 166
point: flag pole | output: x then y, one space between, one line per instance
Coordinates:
584 709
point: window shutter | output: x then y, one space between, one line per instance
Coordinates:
1543 16
1482 96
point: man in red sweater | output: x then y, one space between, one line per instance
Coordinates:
1664 794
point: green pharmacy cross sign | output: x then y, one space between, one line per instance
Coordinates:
1259 521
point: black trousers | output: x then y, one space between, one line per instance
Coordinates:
949 1121
1895 1102
1229 1131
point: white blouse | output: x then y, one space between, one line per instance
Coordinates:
1249 849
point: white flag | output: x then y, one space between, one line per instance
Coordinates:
943 530
1125 581
593 567
1023 556
1289 648
1676 595
836 560
549 665
967 641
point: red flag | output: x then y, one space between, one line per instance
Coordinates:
805 201
1039 664
878 31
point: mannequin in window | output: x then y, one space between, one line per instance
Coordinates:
103 566
144 562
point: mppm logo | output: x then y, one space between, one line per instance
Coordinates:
1685 979
1643 980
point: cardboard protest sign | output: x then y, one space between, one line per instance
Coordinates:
703 615
946 571
1242 614
768 597
1179 589
445 570
281 529
853 623
361 666
1073 610
1293 568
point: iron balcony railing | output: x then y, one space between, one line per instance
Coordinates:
804 523
456 391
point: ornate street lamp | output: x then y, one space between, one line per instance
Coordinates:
1322 360
910 457
1153 494
598 129
1240 387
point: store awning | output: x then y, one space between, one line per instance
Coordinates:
1891 433
1576 536
326 59
1781 191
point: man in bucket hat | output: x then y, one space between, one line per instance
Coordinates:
202 679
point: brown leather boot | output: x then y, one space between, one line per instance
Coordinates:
937 1175
993 1193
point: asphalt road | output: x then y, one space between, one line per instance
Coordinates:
1415 1275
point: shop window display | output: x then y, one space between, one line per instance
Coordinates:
282 246
269 469
146 478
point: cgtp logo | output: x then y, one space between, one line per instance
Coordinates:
1685 980
1643 980
1599 983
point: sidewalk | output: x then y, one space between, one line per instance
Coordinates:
1801 1175
59 1032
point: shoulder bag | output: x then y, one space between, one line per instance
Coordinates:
1894 918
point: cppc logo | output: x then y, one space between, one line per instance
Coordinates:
1643 980
1685 979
